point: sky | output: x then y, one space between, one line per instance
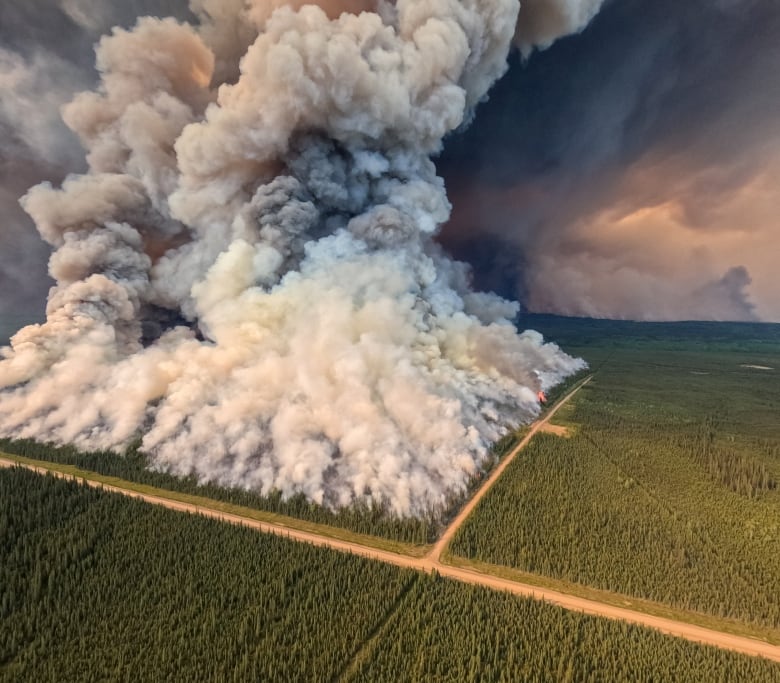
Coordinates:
629 171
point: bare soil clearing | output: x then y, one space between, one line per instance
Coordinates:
557 430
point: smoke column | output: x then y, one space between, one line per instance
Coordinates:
246 275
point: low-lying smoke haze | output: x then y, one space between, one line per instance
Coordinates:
246 272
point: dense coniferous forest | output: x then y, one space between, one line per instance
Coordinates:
373 520
95 586
133 466
450 632
667 488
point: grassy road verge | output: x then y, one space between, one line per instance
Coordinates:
398 547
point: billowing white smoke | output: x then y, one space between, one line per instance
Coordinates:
542 22
247 275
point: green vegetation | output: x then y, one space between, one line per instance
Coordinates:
96 586
228 508
454 632
133 467
656 609
595 335
668 488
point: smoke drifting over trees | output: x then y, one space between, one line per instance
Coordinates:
246 274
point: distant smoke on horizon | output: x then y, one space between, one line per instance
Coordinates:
626 172
246 272
631 171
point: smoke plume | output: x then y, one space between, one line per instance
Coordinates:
45 57
631 172
542 22
246 275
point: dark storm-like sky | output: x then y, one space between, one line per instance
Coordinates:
629 171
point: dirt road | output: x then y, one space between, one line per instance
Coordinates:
431 562
446 537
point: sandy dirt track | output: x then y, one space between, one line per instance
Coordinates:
430 563
446 537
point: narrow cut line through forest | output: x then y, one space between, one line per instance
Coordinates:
353 664
432 563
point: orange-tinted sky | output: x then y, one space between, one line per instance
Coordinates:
629 171
632 171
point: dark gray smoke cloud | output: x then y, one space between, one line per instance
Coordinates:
626 171
661 104
246 273
658 117
46 55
